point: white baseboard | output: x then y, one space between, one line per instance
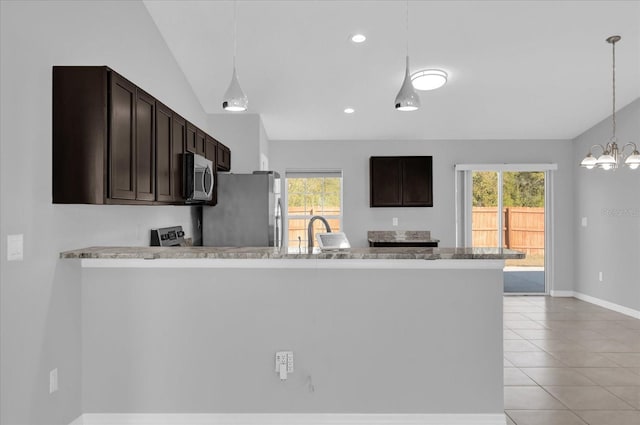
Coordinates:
597 301
606 304
561 293
287 419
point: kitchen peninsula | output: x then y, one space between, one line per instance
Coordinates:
374 331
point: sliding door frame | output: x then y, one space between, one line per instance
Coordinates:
464 204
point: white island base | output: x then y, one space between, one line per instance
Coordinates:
185 341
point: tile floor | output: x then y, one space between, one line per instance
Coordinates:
569 362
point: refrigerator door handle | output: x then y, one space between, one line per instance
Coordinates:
279 225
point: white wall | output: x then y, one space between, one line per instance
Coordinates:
242 133
264 147
610 200
40 296
364 341
353 158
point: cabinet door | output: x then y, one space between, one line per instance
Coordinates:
200 142
417 189
223 159
210 149
191 138
385 181
164 157
145 146
122 142
178 142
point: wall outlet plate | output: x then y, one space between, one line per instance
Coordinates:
53 381
284 357
15 247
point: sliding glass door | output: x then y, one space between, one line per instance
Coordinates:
507 207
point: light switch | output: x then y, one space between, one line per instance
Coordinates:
584 221
15 247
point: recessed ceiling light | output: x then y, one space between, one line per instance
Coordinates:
428 79
349 110
358 38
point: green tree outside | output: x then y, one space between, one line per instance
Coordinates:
315 195
520 189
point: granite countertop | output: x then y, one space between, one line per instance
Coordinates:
391 236
199 252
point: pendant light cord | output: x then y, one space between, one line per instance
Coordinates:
235 31
407 25
614 89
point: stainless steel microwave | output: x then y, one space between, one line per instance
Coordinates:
199 178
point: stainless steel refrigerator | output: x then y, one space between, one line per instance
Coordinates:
248 213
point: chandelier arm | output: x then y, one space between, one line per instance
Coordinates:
602 148
634 147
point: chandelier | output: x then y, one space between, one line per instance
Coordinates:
611 155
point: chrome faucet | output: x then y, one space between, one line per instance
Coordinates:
310 230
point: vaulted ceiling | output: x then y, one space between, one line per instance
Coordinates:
518 69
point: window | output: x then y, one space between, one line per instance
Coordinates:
308 194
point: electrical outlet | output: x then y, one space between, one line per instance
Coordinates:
284 363
286 358
53 381
15 247
394 221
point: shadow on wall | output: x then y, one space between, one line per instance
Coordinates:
61 349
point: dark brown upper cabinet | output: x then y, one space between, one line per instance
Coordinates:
195 139
80 135
170 139
145 147
179 141
191 145
200 142
132 144
401 181
210 149
122 144
113 143
223 158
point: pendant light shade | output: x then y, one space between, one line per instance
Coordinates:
234 98
407 99
606 161
633 160
589 161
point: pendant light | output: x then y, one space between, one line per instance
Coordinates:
407 99
611 155
234 98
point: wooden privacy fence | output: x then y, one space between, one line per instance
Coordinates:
522 228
